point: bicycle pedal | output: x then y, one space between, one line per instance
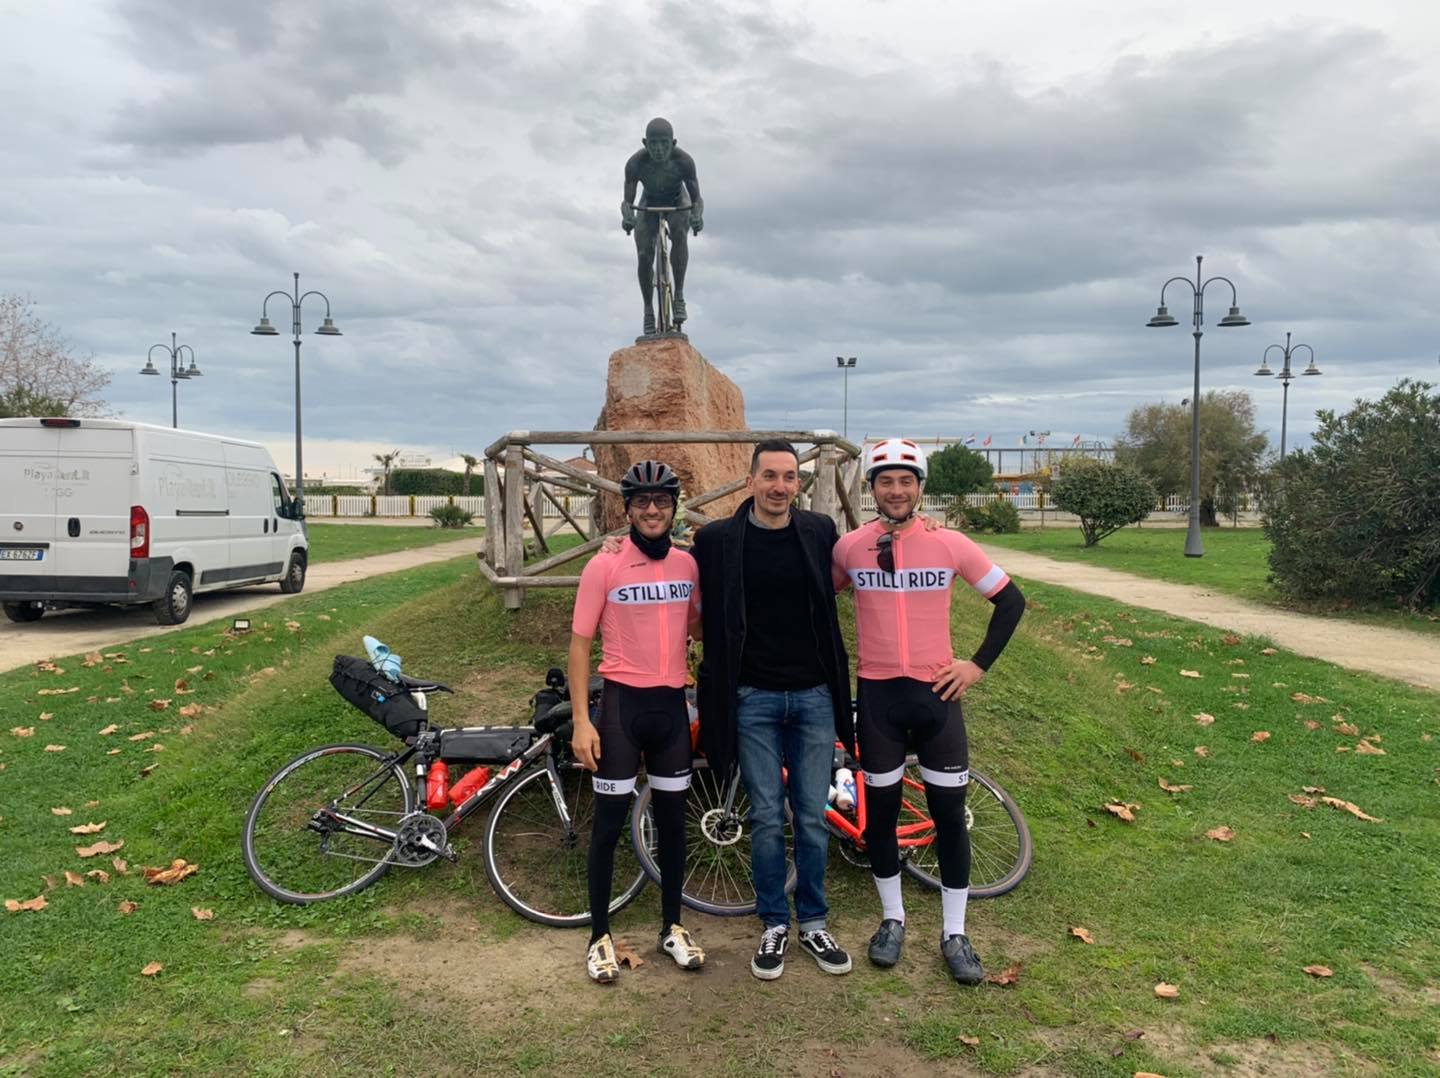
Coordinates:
449 854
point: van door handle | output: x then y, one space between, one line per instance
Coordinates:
267 526
275 526
73 527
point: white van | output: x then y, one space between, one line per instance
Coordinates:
97 511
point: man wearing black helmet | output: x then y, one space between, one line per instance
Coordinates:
643 599
668 175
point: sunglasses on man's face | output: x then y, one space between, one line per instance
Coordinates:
885 552
659 501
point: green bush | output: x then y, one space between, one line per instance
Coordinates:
431 481
1357 515
957 470
998 517
1105 496
450 516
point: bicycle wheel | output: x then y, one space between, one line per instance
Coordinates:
664 289
718 880
537 864
1000 845
296 847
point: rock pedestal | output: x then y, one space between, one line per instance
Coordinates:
666 384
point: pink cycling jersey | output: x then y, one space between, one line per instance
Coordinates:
643 608
902 619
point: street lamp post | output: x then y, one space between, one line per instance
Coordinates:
178 371
846 365
1286 375
1162 318
265 329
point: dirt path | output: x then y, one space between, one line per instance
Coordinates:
1392 653
70 632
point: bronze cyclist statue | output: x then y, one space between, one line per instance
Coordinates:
671 198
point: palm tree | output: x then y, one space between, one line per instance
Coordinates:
386 461
470 463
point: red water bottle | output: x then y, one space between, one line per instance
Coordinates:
473 780
437 786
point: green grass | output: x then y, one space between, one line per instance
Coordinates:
1235 563
338 542
276 990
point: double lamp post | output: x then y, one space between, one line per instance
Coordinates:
846 365
178 371
1286 376
326 329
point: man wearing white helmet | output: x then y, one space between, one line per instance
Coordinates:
910 684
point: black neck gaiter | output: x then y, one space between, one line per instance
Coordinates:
654 549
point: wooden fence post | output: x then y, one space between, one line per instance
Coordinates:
493 545
514 522
823 498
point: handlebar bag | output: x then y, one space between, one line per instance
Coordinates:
377 696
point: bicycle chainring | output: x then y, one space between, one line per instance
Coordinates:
410 850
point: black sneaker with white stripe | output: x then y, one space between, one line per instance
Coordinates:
769 960
821 946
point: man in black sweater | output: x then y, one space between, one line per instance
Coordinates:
774 690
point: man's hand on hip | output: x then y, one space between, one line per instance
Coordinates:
952 682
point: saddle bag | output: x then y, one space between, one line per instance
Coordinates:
377 696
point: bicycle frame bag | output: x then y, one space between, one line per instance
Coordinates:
485 744
383 700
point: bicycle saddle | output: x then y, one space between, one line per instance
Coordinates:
415 684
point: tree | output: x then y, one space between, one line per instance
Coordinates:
1357 515
39 374
1106 497
957 470
470 463
386 462
1156 443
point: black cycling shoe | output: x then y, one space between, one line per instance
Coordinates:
886 943
964 963
649 323
678 311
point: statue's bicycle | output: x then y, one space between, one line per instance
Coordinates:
665 321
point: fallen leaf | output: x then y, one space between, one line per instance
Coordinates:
1302 800
202 915
100 847
1201 750
268 671
1166 991
973 1042
1123 810
99 874
326 617
151 969
627 957
1239 706
1268 651
142 737
109 730
1220 834
33 905
128 907
23 731
46 716
1342 748
1311 724
1189 673
1204 719
1320 971
1230 639
58 692
1364 748
159 705
1260 735
1306 698
1122 686
1240 677
1147 1074
146 770
182 687
1135 755
178 870
54 748
1007 976
186 730
50 882
1313 789
1347 728
89 828
1081 933
1304 834
113 752
121 865
60 810
93 658
1350 807
191 711
74 879
1134 1034
1170 788
157 747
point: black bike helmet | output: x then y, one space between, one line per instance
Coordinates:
649 477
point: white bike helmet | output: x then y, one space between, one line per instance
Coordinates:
894 453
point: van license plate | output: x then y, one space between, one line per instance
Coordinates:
22 553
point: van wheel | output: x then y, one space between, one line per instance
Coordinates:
293 582
23 612
174 606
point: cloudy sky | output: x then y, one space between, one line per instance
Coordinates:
980 201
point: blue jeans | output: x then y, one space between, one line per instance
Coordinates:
795 729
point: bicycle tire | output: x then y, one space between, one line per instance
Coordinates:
538 868
293 823
717 882
1001 849
664 294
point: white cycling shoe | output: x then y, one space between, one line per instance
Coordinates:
600 961
681 946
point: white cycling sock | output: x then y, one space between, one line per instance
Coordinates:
893 909
952 907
